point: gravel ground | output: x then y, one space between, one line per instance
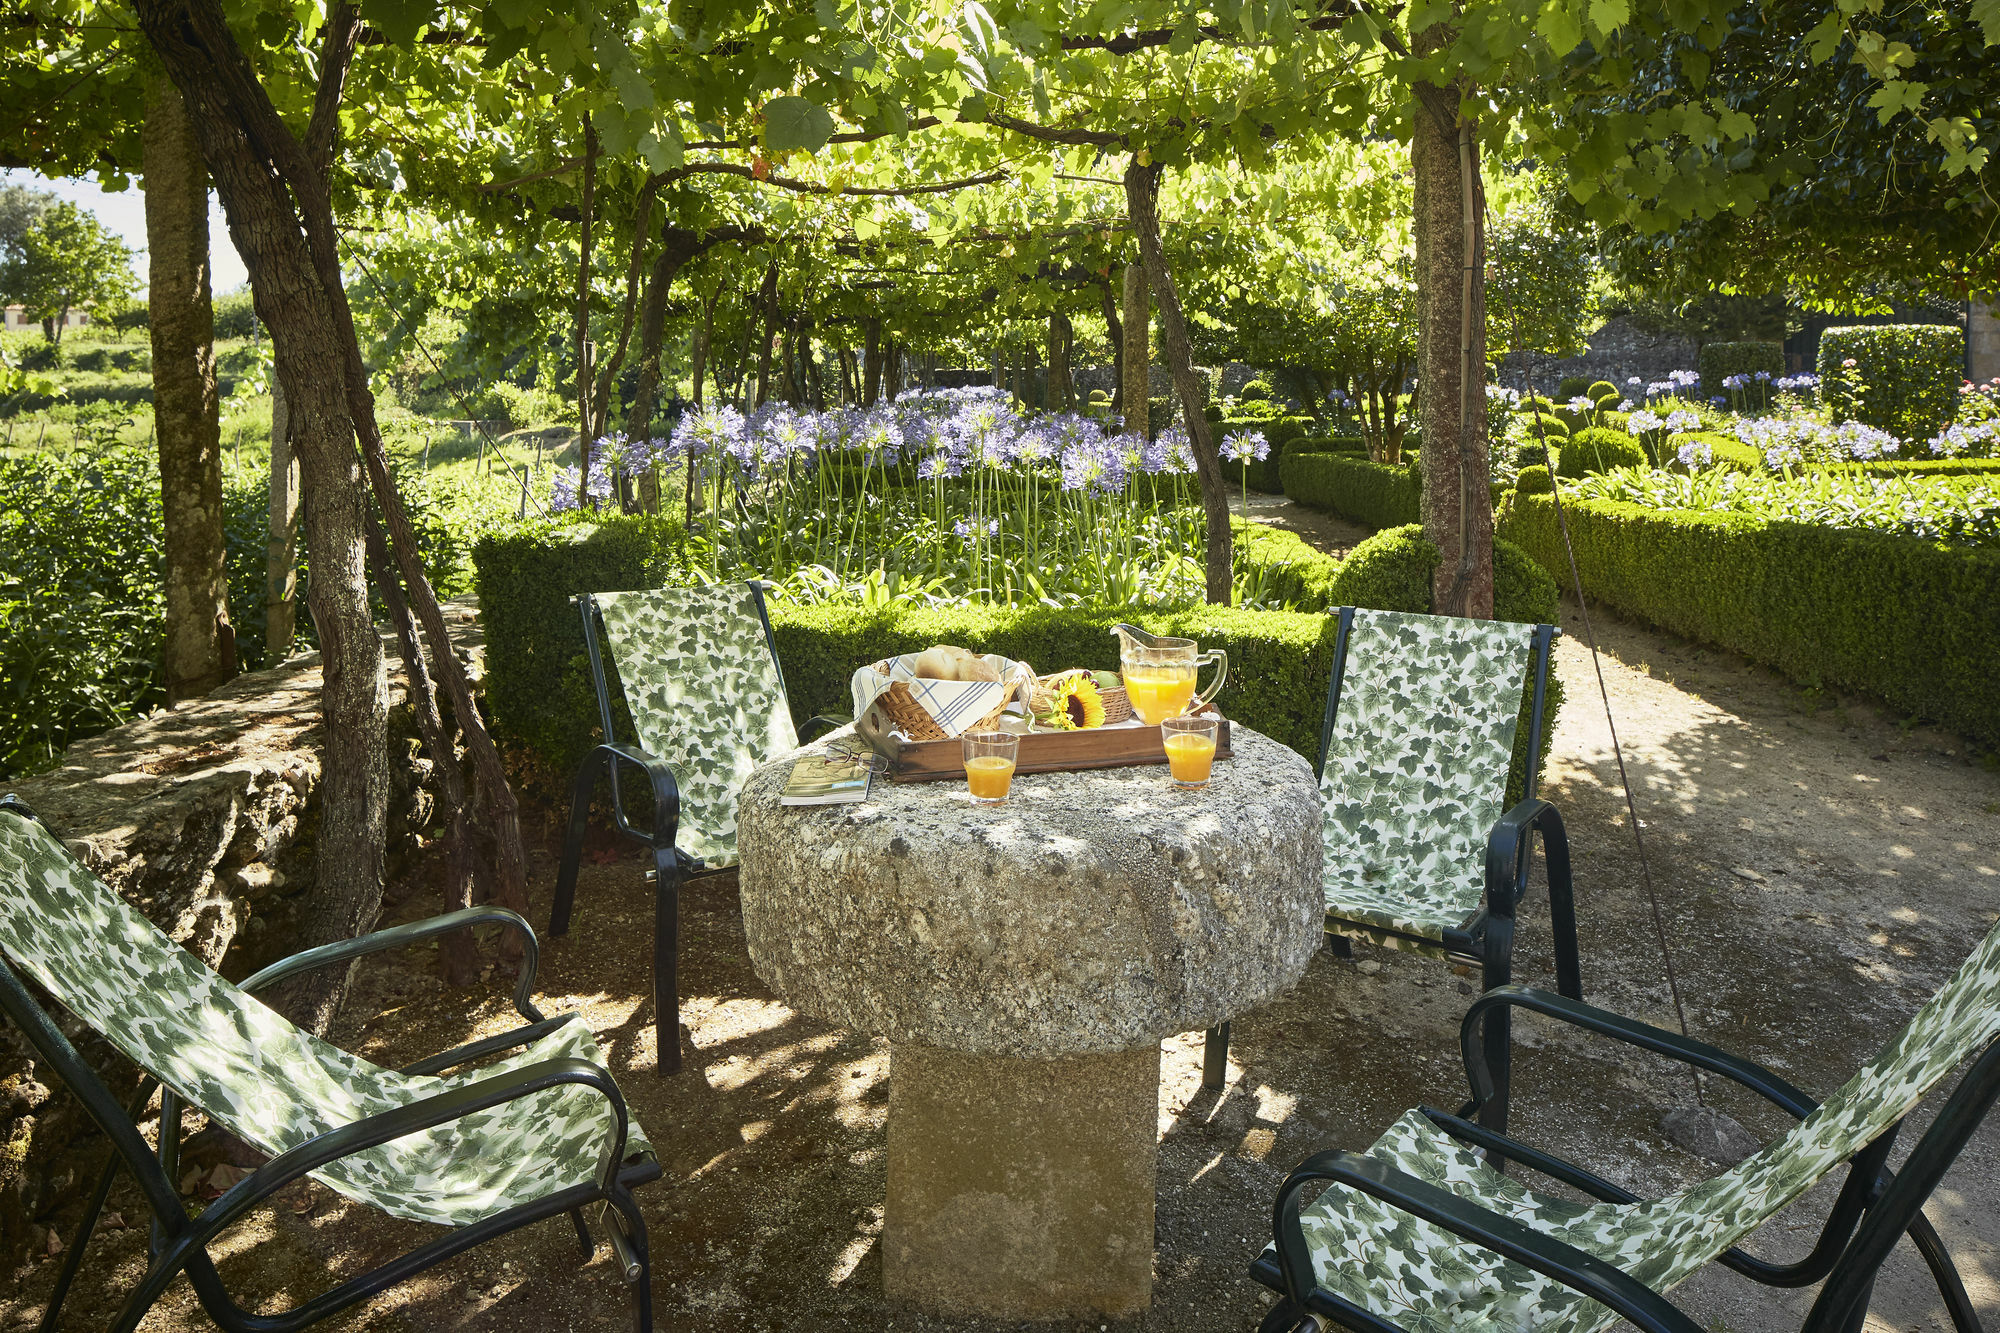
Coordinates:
1821 868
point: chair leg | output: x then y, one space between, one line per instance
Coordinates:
583 1238
1562 917
1215 1056
1339 945
633 1225
666 960
1496 1032
572 855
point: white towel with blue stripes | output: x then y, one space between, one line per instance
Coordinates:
955 705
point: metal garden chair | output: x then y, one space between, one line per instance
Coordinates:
700 675
484 1151
1421 1233
1420 852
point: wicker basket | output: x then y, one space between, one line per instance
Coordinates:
1117 703
908 716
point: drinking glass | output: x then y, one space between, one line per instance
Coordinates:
1190 746
989 764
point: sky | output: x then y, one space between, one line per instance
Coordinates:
125 213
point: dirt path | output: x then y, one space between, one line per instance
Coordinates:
1821 870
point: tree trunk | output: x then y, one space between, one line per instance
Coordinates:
1115 330
871 363
281 551
642 234
767 306
200 649
1142 197
1448 225
677 247
1134 367
892 369
1062 389
209 69
701 344
586 434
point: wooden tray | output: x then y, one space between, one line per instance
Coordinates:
1040 752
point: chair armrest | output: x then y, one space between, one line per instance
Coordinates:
1508 844
396 937
825 722
1631 1032
375 1130
1581 1272
485 1046
666 795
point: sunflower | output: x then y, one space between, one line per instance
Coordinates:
1078 703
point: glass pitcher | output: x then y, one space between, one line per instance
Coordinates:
1159 674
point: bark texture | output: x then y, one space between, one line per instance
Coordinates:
678 246
200 648
281 550
1107 291
1134 367
1448 224
214 76
1142 199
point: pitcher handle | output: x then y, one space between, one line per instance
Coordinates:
1221 660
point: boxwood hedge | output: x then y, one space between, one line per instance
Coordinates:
1373 494
1908 621
1908 375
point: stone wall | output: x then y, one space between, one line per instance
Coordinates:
1618 351
202 815
1982 340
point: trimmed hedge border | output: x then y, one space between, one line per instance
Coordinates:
1372 494
1281 433
545 712
1913 623
1909 375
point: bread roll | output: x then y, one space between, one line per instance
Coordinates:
974 668
937 663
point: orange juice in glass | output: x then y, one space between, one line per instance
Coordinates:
989 764
1190 747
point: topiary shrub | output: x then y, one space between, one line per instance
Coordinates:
1256 391
1711 449
1531 455
1603 389
1904 378
1596 449
1554 427
1534 480
1718 361
1374 495
1572 386
1534 403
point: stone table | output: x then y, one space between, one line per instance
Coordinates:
1025 961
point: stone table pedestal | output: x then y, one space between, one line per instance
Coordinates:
1025 960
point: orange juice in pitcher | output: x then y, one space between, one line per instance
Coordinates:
1159 673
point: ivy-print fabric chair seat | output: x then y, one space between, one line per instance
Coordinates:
701 680
1415 772
213 1045
1420 851
1367 1253
700 677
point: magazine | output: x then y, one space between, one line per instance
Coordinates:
828 779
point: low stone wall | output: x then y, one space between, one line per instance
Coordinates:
202 815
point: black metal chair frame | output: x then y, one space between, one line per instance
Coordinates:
1875 1206
670 864
179 1243
1488 939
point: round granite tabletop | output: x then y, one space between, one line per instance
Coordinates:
1091 912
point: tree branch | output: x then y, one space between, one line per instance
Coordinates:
336 57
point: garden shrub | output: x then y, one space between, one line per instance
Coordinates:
1718 361
1531 455
1725 451
537 680
1604 393
1281 433
1373 494
235 315
81 607
1907 620
1544 424
1336 444
1286 570
1595 449
1921 467
1572 386
1534 480
1255 391
1533 403
1907 375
